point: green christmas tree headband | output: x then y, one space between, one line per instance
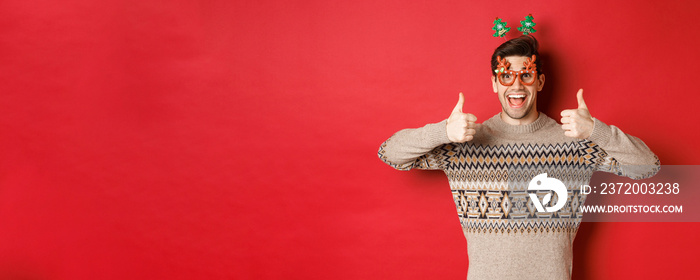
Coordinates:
501 29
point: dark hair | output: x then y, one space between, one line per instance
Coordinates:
524 45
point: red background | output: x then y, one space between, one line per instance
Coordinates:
238 139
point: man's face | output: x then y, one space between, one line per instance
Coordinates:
519 102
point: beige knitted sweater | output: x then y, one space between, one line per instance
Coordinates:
507 238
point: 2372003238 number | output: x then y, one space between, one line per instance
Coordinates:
640 188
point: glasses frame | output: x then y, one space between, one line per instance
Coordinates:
503 66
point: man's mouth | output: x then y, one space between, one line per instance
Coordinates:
516 100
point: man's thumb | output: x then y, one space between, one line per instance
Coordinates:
579 97
460 104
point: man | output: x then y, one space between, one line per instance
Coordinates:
490 167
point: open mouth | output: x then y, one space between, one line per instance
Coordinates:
516 100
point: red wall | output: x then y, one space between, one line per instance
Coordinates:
238 139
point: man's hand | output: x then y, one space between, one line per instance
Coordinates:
577 123
461 127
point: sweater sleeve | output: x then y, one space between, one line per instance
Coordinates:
623 154
416 147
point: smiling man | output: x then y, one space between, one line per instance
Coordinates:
491 165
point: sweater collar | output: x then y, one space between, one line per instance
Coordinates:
500 125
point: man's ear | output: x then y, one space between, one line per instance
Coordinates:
541 82
493 83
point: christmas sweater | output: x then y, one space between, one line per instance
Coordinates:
507 238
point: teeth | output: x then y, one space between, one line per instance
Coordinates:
516 96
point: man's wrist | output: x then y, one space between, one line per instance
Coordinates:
601 133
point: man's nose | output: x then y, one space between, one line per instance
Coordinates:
516 83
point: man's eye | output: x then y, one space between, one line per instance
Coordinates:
527 75
506 76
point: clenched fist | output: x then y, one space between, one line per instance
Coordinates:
461 127
577 123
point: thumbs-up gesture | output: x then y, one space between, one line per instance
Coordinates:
461 127
577 123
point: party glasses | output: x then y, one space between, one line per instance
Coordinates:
507 77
